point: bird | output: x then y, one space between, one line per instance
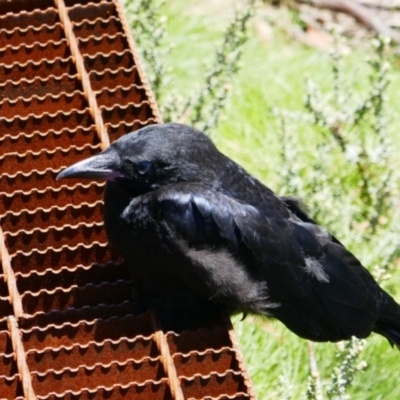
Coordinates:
199 232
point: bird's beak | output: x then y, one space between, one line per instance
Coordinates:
106 165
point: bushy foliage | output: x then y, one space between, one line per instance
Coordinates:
347 174
201 109
350 137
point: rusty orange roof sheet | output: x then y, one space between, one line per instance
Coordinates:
70 83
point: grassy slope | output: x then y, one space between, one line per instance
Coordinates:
273 74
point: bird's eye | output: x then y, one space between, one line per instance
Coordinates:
144 167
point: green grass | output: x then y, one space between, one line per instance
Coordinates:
273 75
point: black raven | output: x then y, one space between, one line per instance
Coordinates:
198 229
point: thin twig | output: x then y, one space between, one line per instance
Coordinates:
314 372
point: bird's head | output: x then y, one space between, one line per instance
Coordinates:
153 156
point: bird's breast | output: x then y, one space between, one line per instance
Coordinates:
131 229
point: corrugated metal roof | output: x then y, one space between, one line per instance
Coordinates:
71 83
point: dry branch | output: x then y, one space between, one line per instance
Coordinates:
359 12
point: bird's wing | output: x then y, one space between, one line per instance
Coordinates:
351 285
317 280
270 248
297 207
205 217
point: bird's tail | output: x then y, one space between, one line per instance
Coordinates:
388 324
